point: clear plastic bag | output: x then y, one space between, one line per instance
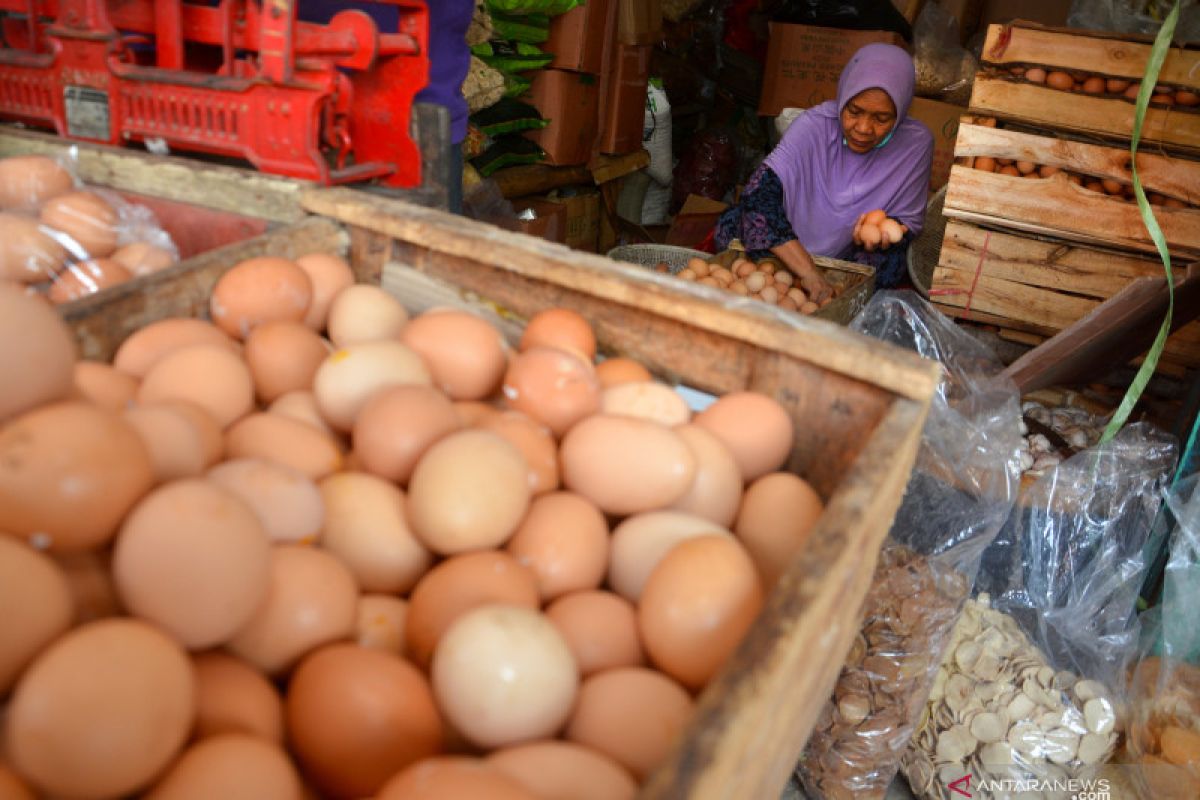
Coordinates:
1026 699
945 70
1164 704
1134 16
961 492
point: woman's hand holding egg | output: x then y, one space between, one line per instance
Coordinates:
875 230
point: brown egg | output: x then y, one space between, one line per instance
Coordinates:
1035 75
364 313
1059 80
613 371
38 607
1046 171
38 356
286 502
564 540
311 600
329 275
233 697
472 412
696 606
554 387
283 357
647 400
1026 167
600 628
1111 186
633 715
716 489
985 163
779 513
1165 99
104 385
458 585
26 182
560 328
870 235
381 620
451 778
397 425
30 253
641 541
465 354
755 428
278 439
1094 186
87 219
68 474
148 345
143 258
13 787
302 407
1133 91
89 578
84 278
1116 85
102 710
534 441
1094 85
626 465
211 376
232 767
469 491
258 290
192 558
182 439
367 529
348 377
504 675
356 717
564 770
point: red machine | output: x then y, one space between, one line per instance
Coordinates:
237 78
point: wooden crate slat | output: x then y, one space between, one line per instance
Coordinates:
1173 177
1056 207
1036 262
1110 57
1099 116
1009 299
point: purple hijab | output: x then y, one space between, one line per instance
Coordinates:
826 185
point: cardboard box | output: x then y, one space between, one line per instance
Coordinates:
578 37
639 21
805 61
909 9
1047 12
942 120
571 102
625 99
583 219
549 222
967 12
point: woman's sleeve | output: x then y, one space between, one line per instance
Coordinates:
759 219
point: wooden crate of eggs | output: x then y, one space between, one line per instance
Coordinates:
316 558
1041 221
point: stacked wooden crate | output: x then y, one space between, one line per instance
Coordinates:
1041 221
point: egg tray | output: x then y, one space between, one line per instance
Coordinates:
858 408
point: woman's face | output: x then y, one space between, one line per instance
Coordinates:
867 119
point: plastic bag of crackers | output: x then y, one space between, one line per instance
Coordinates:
1026 701
959 496
1164 722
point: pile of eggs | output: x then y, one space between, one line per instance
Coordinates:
315 548
63 240
879 231
765 281
1090 83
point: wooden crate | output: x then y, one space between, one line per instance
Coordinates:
999 93
859 406
1057 207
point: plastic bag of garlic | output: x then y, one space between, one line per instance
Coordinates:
962 490
1025 701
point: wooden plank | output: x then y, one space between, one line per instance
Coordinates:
1094 54
1056 207
508 255
605 168
103 320
1173 177
1099 116
1036 262
241 191
1009 299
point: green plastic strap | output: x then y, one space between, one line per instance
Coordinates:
1162 45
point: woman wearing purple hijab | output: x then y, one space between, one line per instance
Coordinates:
835 163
